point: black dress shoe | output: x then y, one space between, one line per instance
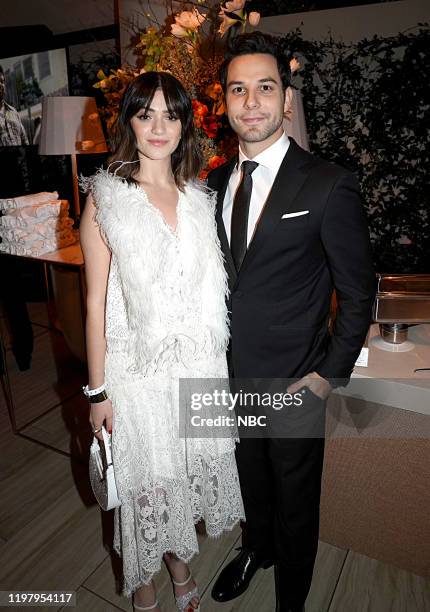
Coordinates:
236 576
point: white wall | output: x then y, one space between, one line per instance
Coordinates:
132 16
352 23
348 24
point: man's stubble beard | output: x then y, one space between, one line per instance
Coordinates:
255 134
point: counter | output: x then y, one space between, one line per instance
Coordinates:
390 376
375 496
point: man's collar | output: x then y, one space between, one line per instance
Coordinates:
271 157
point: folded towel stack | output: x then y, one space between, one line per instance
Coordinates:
35 224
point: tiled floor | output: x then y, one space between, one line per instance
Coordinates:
53 535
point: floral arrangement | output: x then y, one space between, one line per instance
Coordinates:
189 45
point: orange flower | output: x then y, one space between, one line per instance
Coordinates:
226 23
200 111
210 126
294 65
254 18
215 161
231 13
214 91
233 5
203 120
186 23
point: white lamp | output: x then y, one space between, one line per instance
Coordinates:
71 126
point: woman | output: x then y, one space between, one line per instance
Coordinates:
156 314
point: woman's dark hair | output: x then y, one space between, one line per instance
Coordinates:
255 42
186 159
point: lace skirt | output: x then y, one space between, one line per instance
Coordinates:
166 483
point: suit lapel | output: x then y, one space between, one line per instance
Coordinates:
223 183
292 174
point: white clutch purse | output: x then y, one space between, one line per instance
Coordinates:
102 474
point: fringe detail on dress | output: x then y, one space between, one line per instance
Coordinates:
122 209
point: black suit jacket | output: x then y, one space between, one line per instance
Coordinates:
279 302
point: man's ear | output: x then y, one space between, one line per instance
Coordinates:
288 103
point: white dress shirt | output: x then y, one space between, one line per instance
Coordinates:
263 177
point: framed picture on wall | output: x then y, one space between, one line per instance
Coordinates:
24 81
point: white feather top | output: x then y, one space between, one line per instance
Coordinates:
166 289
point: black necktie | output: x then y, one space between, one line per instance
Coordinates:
239 216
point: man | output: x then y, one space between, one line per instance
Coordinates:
292 229
12 132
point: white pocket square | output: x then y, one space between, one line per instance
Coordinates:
295 214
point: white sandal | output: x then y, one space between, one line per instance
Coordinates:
136 607
183 601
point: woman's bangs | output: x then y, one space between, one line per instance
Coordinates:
174 99
144 97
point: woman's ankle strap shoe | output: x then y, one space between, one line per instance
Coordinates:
184 601
136 607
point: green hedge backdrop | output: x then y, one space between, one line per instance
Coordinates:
367 108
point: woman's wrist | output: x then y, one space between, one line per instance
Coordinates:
95 395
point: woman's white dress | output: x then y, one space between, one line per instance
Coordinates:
166 320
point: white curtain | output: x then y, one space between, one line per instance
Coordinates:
295 126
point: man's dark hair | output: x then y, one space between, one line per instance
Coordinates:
1 69
256 42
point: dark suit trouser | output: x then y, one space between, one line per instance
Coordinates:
281 482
